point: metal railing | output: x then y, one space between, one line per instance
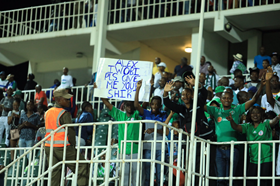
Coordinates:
48 18
83 14
25 175
81 94
200 167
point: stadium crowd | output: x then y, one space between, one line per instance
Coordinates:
227 107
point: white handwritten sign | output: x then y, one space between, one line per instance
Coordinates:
117 79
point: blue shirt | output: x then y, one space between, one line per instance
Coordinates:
259 60
85 117
29 133
147 115
175 145
48 92
179 70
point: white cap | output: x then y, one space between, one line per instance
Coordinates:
162 64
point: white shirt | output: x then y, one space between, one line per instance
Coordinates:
159 92
244 89
265 104
66 81
3 83
276 68
157 78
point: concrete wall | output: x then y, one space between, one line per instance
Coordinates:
149 54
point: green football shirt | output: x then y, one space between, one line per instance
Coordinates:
262 133
223 128
132 128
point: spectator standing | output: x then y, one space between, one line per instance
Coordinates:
28 124
225 133
13 121
255 82
158 76
178 83
7 106
86 116
17 94
239 84
180 69
3 81
258 130
154 114
54 118
203 66
258 60
237 64
275 104
275 63
40 96
30 85
11 82
265 65
66 80
212 78
132 134
155 68
202 78
274 88
159 91
56 83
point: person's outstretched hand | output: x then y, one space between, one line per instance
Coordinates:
169 86
269 74
229 118
139 84
190 80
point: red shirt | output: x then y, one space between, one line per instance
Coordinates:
40 95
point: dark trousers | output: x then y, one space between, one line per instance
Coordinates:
71 154
266 170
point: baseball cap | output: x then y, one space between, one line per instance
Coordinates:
62 93
162 64
219 89
252 89
50 105
18 92
177 78
10 76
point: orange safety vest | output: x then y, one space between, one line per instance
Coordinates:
52 117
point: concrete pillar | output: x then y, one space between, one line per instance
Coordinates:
214 48
254 44
100 34
194 47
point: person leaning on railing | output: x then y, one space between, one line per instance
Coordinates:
54 118
224 131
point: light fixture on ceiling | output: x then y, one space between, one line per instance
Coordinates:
188 50
228 27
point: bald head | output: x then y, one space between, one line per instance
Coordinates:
223 82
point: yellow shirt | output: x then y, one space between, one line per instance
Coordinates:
155 69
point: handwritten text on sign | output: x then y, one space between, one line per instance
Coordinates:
118 79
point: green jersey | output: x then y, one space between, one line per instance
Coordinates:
132 128
263 132
223 128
